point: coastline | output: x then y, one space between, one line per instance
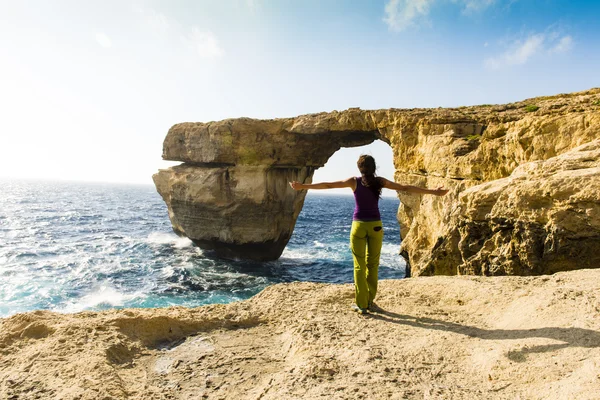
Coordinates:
70 247
442 337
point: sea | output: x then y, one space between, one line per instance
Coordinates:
73 246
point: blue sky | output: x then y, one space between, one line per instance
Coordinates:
90 88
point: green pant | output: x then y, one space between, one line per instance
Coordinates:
366 239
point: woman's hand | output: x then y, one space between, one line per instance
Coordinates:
296 185
440 191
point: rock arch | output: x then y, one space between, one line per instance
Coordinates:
231 193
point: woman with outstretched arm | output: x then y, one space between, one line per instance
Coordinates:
366 235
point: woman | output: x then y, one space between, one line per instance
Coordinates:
366 236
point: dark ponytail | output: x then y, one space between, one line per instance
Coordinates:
366 166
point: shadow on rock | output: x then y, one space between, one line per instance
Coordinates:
571 337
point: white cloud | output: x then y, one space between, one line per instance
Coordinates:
521 51
103 40
401 14
564 44
205 43
156 21
252 4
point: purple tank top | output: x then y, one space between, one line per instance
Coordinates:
367 203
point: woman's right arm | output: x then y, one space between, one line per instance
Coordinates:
412 189
350 182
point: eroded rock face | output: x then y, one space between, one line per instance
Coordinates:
543 218
238 211
231 193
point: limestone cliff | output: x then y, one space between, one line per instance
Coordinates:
543 218
230 193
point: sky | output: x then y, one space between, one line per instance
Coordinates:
89 89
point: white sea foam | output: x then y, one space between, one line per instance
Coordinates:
103 295
165 238
390 248
167 271
319 253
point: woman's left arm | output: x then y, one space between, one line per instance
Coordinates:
413 189
350 182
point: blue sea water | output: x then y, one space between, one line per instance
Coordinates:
71 246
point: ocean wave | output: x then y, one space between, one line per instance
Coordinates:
331 253
104 295
164 238
390 248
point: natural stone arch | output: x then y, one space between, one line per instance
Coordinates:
231 194
231 191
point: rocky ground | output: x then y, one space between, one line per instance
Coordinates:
436 337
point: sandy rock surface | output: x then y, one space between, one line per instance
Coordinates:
432 337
